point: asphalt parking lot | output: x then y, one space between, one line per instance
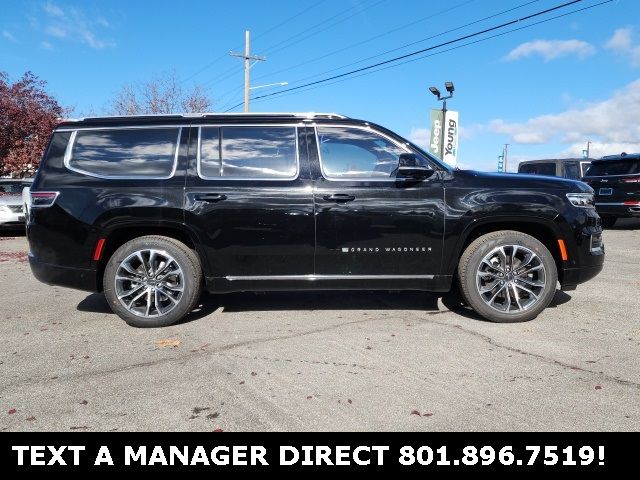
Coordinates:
322 361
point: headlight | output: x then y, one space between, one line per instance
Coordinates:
584 200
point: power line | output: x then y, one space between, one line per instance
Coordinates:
431 37
305 34
403 46
370 39
263 97
417 52
284 22
266 32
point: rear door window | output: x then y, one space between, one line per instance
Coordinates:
248 152
614 167
127 153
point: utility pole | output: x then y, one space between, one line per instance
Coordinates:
587 150
505 154
247 66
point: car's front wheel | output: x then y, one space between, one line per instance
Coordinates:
507 276
152 281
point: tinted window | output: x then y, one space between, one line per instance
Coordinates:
210 152
614 167
538 169
571 170
12 188
259 152
354 153
144 152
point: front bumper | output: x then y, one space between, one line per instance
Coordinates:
571 277
78 278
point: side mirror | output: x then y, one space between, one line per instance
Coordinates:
410 167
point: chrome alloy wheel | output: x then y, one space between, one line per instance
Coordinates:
511 278
149 283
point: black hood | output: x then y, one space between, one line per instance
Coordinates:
519 181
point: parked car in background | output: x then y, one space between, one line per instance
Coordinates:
150 210
616 182
11 203
573 168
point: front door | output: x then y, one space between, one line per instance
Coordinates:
369 224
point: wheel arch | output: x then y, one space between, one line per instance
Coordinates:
118 235
539 228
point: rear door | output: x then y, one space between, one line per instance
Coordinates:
248 195
371 226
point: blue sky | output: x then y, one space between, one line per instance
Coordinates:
545 90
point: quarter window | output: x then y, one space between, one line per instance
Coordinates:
248 152
355 153
140 152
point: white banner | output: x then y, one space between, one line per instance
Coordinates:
450 153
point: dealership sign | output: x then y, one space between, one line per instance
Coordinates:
446 130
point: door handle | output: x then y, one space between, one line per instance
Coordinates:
339 197
210 197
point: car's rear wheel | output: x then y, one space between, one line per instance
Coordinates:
507 276
608 221
152 281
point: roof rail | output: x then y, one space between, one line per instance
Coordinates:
214 114
620 155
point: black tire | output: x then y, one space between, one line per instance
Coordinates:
191 282
470 263
608 221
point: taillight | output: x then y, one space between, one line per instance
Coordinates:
632 203
43 199
631 180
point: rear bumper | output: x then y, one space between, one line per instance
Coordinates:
77 278
617 209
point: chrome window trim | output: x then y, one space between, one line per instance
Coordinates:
124 127
356 179
255 179
313 277
69 150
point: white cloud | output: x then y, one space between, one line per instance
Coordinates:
551 49
420 136
72 24
9 36
612 124
53 9
599 149
621 42
56 31
46 45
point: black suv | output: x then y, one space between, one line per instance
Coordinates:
151 209
616 181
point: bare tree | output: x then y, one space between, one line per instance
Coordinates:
162 94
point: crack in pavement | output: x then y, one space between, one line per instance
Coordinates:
187 356
289 360
551 361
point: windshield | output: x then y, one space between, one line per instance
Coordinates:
614 167
548 168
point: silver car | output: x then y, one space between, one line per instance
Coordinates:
11 203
